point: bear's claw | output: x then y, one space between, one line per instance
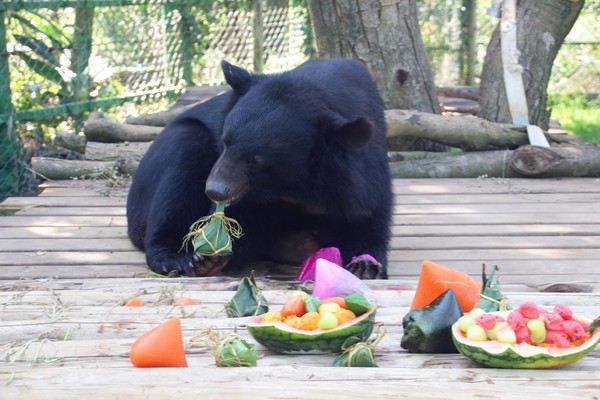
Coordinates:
366 269
208 265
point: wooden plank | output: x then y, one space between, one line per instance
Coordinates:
33 232
485 209
420 219
523 229
497 198
495 185
497 255
317 383
492 243
74 271
72 257
83 210
398 243
71 244
71 201
498 219
60 221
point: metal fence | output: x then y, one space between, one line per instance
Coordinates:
60 59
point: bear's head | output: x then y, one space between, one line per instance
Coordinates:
282 140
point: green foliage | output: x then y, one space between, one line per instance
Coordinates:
578 113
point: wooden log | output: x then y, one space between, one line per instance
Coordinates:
576 161
116 151
468 133
490 164
106 131
461 92
55 168
161 118
70 141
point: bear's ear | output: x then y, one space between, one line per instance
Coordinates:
354 134
238 78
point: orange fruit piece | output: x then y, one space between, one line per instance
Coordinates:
184 301
435 279
134 302
271 316
293 321
160 347
309 321
294 306
344 316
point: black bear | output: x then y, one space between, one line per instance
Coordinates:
302 149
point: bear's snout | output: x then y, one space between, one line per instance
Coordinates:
226 183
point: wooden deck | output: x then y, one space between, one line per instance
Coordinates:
66 265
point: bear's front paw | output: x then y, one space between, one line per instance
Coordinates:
365 268
208 265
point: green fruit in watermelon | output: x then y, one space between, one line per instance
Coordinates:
283 338
357 303
523 355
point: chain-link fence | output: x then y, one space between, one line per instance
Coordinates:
59 59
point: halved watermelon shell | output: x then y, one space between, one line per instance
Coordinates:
283 338
523 355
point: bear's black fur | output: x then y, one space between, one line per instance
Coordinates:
304 149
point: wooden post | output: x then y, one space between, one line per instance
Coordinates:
259 35
186 34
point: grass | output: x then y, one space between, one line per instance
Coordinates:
578 114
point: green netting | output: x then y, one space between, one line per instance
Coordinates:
61 59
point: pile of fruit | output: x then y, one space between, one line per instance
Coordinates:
527 337
308 313
529 323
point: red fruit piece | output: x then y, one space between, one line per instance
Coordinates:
573 329
516 320
559 339
564 311
553 322
522 334
529 310
486 321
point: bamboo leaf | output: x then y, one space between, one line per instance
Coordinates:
247 301
43 25
39 48
43 68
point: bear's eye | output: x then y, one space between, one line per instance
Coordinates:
255 163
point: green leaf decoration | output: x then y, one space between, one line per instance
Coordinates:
358 353
228 349
247 301
491 296
212 235
234 351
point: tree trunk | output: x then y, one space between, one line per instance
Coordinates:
384 35
541 29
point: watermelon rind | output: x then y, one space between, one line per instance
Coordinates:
283 338
523 355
